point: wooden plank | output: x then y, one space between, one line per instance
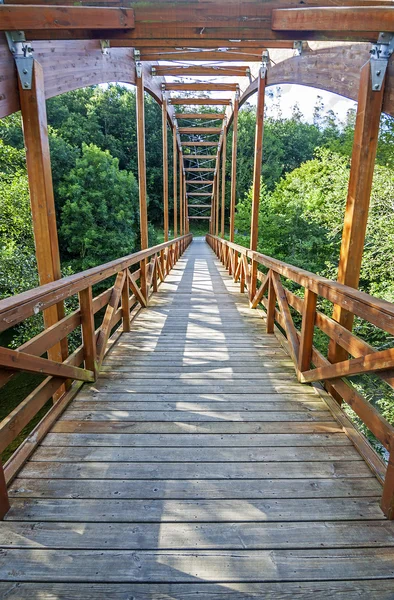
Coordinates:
158 566
251 536
188 510
235 440
203 116
14 17
192 417
168 470
201 87
340 18
12 359
207 455
199 71
200 102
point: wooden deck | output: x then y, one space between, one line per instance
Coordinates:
196 468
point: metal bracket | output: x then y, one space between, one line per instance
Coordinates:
265 60
23 55
380 54
298 47
138 63
105 46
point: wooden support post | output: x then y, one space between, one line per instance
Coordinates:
175 178
234 167
181 229
359 191
271 307
142 175
217 196
388 489
307 329
165 167
88 330
224 149
126 306
4 501
258 157
35 131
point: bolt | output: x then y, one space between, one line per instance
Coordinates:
378 73
24 71
376 86
25 85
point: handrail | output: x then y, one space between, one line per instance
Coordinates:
122 301
310 364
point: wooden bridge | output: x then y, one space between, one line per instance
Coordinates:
197 444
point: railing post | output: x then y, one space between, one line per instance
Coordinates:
88 330
142 173
307 330
126 305
388 489
4 501
271 306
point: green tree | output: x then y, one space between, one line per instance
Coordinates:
99 215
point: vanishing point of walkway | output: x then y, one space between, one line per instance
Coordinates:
196 468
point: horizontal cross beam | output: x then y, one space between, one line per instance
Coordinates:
164 71
253 55
200 130
201 87
200 181
24 17
199 144
200 101
340 18
199 217
199 156
203 116
200 170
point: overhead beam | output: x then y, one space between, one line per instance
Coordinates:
201 101
199 71
158 44
203 116
253 55
200 130
341 18
201 87
24 17
199 144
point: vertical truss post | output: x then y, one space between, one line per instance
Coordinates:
217 204
141 169
366 134
258 157
234 165
165 165
175 156
223 179
35 132
181 229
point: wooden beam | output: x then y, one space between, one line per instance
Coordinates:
217 201
205 194
359 191
158 44
181 192
200 144
199 205
140 113
199 217
199 71
165 167
340 18
224 150
253 55
199 156
201 87
174 176
199 181
258 159
15 17
203 116
200 130
200 170
234 167
35 131
201 101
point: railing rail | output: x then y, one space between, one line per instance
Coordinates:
121 301
310 364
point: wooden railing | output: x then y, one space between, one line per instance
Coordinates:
122 300
267 290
